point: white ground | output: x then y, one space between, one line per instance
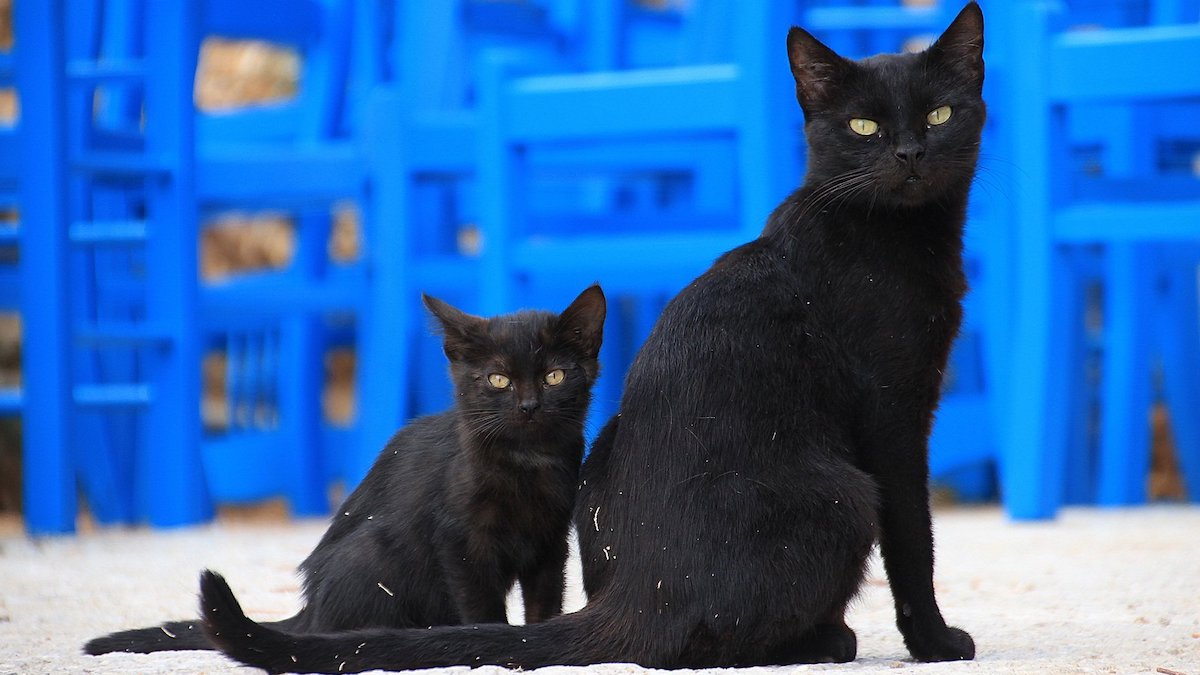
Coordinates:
1096 591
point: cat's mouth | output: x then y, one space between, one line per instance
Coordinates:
912 178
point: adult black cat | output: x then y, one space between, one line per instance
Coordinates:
460 504
775 423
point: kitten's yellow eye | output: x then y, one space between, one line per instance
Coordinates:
555 377
498 381
864 127
938 116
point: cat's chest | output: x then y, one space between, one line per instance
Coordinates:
894 320
911 297
515 500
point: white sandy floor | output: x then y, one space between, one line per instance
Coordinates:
1096 591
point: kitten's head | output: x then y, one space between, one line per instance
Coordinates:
525 373
903 128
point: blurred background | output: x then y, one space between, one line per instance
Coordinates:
216 218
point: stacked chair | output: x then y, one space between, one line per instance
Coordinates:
424 129
109 252
1097 130
670 159
1083 203
507 154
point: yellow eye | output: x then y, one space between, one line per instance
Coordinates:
498 381
938 116
555 377
864 127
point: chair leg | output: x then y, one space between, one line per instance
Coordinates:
1030 461
1125 390
48 475
301 379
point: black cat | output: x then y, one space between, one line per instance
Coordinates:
460 504
775 423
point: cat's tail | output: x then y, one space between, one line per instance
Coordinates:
580 638
172 636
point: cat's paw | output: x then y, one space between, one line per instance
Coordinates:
944 644
833 643
825 643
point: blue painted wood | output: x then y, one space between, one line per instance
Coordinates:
711 132
1134 208
49 498
424 128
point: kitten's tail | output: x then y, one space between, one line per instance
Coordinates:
171 636
581 638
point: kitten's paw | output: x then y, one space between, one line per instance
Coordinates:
945 644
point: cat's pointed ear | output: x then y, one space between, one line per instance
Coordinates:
960 47
460 331
815 67
582 322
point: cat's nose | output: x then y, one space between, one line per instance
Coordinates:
529 406
909 154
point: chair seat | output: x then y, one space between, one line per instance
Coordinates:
623 262
281 294
1128 222
1124 63
287 173
624 103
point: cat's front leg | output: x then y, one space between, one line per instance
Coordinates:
542 586
906 541
477 586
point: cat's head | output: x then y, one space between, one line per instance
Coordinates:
901 129
525 373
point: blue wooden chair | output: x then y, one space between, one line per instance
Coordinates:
1141 216
138 171
424 131
673 163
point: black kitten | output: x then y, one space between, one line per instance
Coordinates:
460 504
775 423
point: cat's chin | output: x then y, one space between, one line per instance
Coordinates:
915 191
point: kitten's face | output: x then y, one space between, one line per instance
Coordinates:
528 373
897 129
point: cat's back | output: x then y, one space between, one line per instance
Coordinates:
739 353
405 481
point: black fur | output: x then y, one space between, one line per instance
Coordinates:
458 505
774 426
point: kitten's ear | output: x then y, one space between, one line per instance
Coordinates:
582 322
960 48
815 67
460 331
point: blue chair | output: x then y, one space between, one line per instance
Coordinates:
128 191
672 165
1141 217
424 130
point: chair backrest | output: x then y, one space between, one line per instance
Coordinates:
317 31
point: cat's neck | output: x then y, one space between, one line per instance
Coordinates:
809 217
533 447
